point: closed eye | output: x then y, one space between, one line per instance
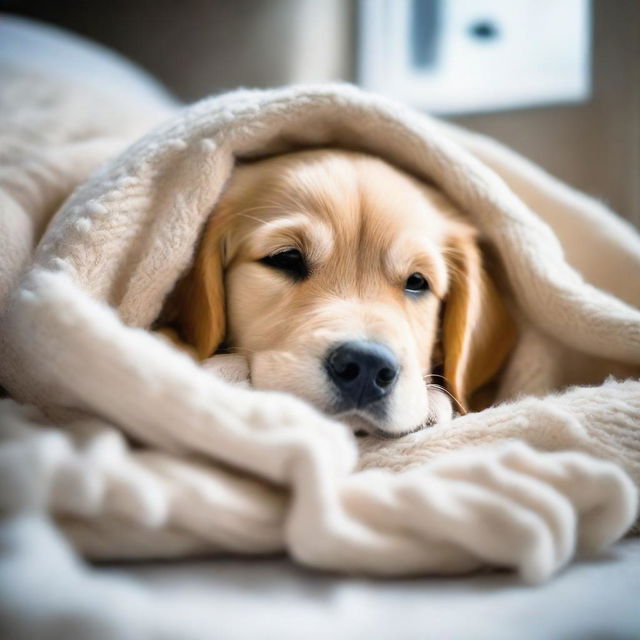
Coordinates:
289 261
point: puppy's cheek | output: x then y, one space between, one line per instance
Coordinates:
441 406
409 405
292 373
414 404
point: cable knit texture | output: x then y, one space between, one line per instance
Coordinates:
136 451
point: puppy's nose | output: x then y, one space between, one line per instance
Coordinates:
362 371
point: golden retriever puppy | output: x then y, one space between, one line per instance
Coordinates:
348 283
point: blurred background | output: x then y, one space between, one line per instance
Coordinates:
557 80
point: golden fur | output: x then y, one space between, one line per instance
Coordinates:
363 227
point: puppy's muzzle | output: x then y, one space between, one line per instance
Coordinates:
363 372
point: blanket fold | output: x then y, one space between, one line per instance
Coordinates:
137 451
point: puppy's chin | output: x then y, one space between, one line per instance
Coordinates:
417 408
362 424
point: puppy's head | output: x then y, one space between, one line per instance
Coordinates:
346 282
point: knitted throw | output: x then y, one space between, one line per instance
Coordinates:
136 451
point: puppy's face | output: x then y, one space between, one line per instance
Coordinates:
329 270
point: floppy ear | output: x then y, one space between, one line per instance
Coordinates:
200 307
478 332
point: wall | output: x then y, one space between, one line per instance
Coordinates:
593 146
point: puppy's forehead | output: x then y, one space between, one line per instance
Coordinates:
353 192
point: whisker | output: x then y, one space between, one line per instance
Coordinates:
441 388
434 375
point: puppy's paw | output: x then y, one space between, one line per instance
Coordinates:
230 367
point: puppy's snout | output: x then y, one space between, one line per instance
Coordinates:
362 371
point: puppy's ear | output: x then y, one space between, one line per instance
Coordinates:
200 301
478 332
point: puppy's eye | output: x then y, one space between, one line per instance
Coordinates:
290 261
416 283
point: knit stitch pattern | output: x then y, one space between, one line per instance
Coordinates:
136 451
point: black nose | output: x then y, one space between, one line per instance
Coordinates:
362 371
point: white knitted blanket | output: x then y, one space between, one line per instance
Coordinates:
135 451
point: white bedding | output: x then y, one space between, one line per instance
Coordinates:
274 598
245 599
